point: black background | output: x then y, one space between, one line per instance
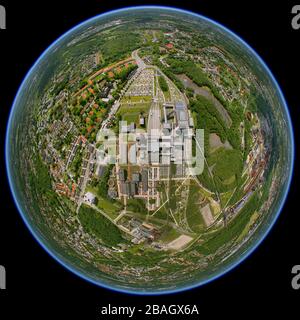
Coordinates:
36 284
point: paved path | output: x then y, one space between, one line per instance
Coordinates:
154 117
141 64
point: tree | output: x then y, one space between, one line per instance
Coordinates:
163 84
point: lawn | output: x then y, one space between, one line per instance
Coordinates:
227 166
162 213
193 215
168 234
136 205
135 99
167 95
225 196
131 117
131 113
112 208
136 108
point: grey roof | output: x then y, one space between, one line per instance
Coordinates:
125 187
133 188
101 171
181 115
122 175
136 177
145 180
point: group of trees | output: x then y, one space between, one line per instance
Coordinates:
103 182
163 84
95 223
189 68
76 165
124 73
209 119
171 76
136 205
196 74
116 45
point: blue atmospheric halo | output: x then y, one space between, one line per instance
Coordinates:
24 215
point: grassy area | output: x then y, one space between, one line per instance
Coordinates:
249 225
131 117
233 230
167 95
193 215
112 208
162 213
239 192
168 234
164 87
163 84
136 108
131 113
136 205
225 196
226 166
109 206
95 224
172 203
139 107
135 99
229 180
228 163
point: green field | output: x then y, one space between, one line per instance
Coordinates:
112 208
131 113
131 117
225 196
226 167
136 99
136 205
136 108
193 215
162 213
168 234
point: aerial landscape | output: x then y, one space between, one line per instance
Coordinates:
149 150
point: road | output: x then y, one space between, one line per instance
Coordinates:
154 113
141 64
85 180
154 117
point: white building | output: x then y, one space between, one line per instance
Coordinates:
89 198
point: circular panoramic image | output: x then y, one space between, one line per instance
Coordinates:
149 150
